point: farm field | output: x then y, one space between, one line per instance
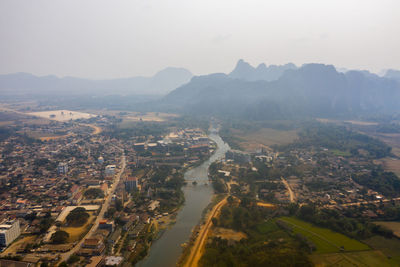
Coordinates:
325 240
391 164
394 226
264 137
362 258
389 247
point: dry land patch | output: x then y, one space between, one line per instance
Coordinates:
264 137
62 115
228 234
75 233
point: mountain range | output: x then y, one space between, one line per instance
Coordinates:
161 83
310 90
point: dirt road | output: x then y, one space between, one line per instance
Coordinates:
291 194
196 252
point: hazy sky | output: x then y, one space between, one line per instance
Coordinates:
110 38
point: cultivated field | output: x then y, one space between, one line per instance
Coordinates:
265 137
389 247
394 226
362 258
325 240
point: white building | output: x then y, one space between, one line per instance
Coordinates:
9 231
62 168
110 170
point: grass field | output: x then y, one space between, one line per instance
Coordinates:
362 258
392 164
389 247
394 226
325 240
264 137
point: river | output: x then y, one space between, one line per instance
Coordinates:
167 249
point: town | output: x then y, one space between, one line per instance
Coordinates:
84 196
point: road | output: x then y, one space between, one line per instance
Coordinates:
196 251
291 194
100 216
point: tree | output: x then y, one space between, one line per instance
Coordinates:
59 237
77 217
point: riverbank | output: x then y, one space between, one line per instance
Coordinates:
193 249
167 250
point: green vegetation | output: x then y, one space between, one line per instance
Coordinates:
384 182
59 237
77 217
74 258
266 245
389 246
325 240
340 140
348 223
240 134
93 193
350 259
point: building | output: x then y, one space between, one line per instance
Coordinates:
62 168
104 224
110 170
131 183
113 261
11 263
96 261
9 231
238 156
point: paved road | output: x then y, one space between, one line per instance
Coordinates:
196 252
100 216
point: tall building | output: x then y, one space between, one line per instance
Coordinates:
131 183
62 168
9 231
110 170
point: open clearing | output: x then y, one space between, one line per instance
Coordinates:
228 234
394 226
264 137
362 258
17 244
266 205
75 233
62 115
390 164
325 240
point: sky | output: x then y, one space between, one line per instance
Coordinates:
102 39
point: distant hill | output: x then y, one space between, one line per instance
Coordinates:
393 74
311 90
245 71
161 83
